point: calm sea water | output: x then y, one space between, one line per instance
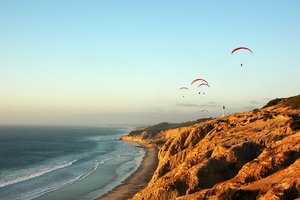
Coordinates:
63 162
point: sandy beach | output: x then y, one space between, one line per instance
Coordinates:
138 180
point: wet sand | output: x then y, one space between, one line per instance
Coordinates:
138 180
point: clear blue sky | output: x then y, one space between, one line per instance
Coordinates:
119 62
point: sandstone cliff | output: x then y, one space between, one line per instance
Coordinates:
251 155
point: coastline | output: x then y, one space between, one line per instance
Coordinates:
137 180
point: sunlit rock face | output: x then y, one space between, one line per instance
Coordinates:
251 155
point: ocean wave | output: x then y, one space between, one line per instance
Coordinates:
40 172
41 192
93 168
37 193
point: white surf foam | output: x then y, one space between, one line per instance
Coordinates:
40 172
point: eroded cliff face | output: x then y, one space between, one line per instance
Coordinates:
251 155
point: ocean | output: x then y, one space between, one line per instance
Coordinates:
40 162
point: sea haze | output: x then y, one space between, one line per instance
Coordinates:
63 162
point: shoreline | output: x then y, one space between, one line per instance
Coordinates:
137 180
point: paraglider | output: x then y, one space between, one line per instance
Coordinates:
183 88
201 85
204 111
241 48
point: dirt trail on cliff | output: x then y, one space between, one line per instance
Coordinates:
250 155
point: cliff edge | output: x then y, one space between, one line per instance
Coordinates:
250 155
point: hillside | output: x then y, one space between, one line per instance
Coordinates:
157 135
250 155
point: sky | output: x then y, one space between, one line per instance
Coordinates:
109 62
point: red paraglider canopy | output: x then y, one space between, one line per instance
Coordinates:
241 48
199 79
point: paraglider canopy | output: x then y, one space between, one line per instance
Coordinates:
204 112
241 48
204 84
183 88
199 79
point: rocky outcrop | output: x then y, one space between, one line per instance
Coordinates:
251 155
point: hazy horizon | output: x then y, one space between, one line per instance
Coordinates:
122 62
